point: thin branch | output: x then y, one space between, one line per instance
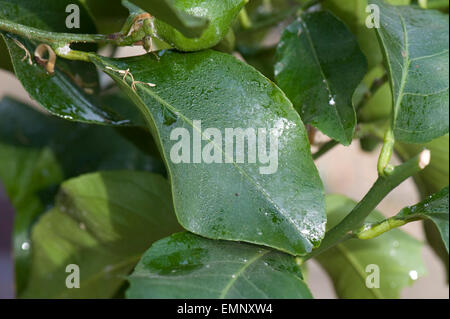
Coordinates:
375 86
50 37
383 186
325 148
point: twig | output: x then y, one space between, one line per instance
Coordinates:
382 187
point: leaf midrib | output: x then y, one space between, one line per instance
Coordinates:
319 65
358 268
240 271
149 117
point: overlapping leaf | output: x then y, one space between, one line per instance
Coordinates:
103 223
233 200
219 13
415 45
434 208
187 266
319 65
71 91
38 152
175 14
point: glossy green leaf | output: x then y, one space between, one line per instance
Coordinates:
103 222
186 266
37 152
232 201
71 91
219 13
397 255
415 45
435 208
179 15
319 65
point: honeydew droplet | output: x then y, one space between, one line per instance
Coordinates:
413 275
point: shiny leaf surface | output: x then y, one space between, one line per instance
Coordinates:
434 208
221 200
219 13
71 91
319 65
187 266
415 45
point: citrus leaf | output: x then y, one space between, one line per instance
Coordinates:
172 13
397 255
185 266
434 208
234 200
37 152
415 46
219 13
103 222
353 14
71 91
319 65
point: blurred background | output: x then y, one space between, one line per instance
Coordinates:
344 170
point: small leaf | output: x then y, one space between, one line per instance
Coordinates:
37 152
103 223
435 208
220 200
185 266
219 13
415 45
397 255
319 65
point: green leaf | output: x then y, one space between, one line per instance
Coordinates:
435 208
103 223
71 91
5 61
108 15
219 13
415 46
434 239
37 152
185 266
353 13
397 255
319 65
187 22
232 201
